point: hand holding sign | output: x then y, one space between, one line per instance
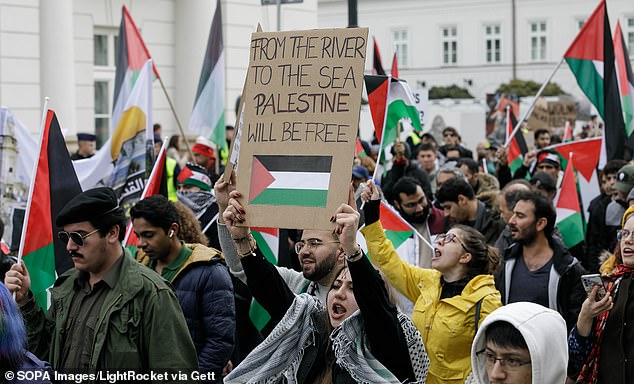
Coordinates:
300 118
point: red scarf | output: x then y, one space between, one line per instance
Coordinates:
590 371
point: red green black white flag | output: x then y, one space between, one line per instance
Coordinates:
625 78
591 59
54 184
290 180
517 147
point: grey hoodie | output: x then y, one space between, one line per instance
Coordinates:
544 331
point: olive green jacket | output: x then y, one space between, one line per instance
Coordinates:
140 325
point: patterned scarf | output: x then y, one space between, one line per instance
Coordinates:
590 371
281 353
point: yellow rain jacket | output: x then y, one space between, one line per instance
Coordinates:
448 325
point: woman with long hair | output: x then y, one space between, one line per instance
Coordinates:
450 299
358 337
13 353
600 344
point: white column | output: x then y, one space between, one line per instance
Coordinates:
193 21
57 61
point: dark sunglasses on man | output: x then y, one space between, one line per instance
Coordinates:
76 237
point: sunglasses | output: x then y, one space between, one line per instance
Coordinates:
76 237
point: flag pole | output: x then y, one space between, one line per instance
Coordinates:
178 122
25 222
147 186
530 109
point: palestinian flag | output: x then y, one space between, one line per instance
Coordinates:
567 132
517 147
54 185
208 115
152 187
586 154
591 59
132 55
359 151
377 67
378 88
397 230
394 66
290 180
625 78
268 240
569 220
400 106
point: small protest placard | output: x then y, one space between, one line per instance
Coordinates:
300 119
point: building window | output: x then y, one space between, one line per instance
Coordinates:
630 36
105 44
399 38
538 41
493 43
450 45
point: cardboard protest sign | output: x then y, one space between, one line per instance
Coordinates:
300 120
551 114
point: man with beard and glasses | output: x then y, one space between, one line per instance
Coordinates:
462 207
537 267
194 190
202 283
319 252
408 198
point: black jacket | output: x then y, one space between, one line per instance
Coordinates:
599 236
569 292
410 170
386 338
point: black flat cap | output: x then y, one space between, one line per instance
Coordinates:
86 137
89 204
544 181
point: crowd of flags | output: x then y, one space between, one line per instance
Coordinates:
599 62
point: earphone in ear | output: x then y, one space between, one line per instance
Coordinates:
171 233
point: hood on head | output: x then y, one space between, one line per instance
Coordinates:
544 331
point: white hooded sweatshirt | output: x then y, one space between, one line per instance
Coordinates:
544 331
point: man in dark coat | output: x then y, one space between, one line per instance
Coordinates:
202 282
537 267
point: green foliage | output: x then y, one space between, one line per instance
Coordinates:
450 92
529 88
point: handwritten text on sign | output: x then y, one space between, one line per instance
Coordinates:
302 100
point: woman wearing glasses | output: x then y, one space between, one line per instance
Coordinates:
601 342
449 300
358 337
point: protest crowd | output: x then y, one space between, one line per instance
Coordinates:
445 264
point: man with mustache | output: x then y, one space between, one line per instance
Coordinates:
538 268
408 198
109 312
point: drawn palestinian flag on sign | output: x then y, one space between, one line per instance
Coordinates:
300 181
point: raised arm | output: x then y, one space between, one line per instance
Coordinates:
380 316
264 281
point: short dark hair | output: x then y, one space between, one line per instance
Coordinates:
406 185
452 188
424 147
471 164
157 210
613 166
504 335
540 131
541 208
